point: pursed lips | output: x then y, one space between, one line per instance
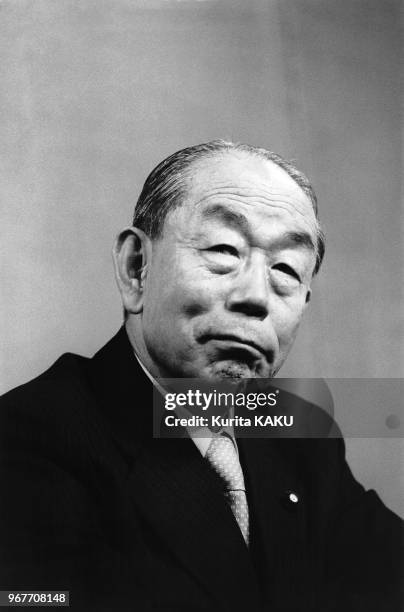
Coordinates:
237 342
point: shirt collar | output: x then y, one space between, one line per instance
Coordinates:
201 436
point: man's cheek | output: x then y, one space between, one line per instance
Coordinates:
286 332
196 299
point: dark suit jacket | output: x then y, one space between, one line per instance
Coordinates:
91 503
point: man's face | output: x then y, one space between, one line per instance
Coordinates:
229 278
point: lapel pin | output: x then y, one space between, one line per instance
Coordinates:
291 500
293 497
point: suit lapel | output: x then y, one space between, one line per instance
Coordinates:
170 484
182 499
277 501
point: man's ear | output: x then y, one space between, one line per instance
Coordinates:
132 255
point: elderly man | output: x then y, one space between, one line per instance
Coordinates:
215 276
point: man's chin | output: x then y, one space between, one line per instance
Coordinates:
229 371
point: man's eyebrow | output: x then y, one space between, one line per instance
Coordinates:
300 239
231 217
238 220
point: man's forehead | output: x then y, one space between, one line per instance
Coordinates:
234 192
243 180
244 177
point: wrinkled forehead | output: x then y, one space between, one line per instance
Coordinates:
242 173
238 179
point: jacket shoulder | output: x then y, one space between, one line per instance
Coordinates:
54 417
65 371
49 398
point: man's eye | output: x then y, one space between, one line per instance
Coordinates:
282 267
224 248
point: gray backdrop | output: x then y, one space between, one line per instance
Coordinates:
95 92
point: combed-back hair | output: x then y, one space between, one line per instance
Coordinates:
166 186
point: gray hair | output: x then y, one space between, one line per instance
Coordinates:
166 185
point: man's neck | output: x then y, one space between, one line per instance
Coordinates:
136 338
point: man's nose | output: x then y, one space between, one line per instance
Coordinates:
250 292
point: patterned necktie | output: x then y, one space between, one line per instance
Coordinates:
223 457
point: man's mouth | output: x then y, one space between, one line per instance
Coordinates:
238 347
